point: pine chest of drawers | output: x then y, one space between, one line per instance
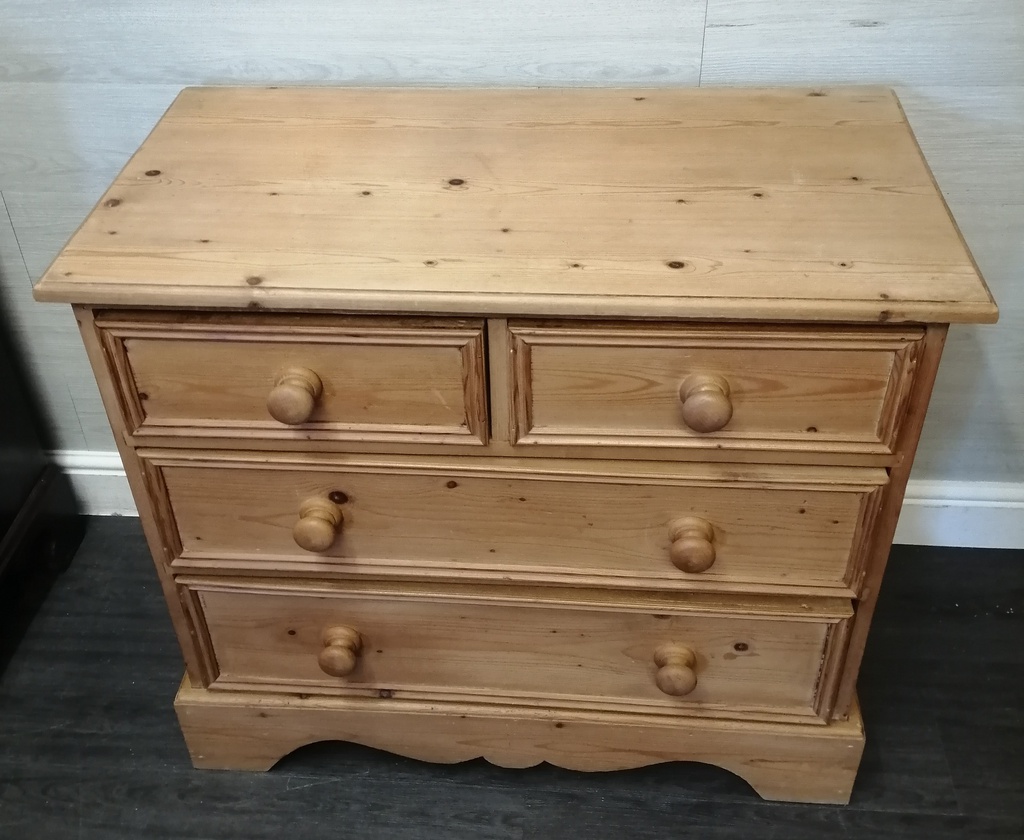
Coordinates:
565 426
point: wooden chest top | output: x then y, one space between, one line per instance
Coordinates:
790 204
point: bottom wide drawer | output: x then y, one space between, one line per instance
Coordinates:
694 655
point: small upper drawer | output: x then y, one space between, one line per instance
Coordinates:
840 390
300 377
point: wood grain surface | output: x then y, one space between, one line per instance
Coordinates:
824 389
382 379
494 646
810 764
575 522
159 538
885 526
467 202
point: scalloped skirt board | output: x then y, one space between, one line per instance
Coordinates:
781 761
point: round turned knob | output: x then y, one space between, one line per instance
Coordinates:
706 404
319 521
693 546
340 652
675 669
294 396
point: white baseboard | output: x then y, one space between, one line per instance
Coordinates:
976 514
99 481
972 514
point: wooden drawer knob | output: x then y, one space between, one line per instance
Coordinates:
340 652
675 669
693 544
706 404
318 525
294 396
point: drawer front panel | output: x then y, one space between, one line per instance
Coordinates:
405 645
782 389
574 522
398 380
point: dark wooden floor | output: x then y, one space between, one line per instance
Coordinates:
89 746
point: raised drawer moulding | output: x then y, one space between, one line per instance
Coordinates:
967 514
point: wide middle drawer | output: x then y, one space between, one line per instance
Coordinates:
607 523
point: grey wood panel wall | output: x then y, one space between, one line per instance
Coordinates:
82 81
